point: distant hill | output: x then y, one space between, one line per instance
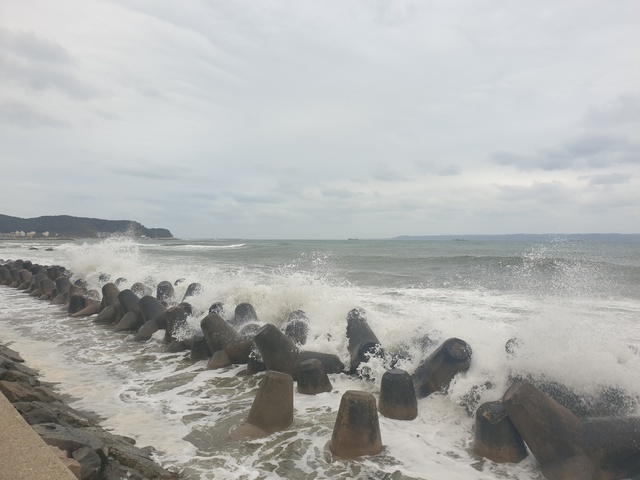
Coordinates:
531 237
77 227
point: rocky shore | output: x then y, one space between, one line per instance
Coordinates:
90 452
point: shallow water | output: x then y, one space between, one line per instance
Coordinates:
574 307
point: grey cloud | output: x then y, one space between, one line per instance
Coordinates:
147 89
591 150
17 113
338 193
39 65
542 192
107 115
440 169
449 170
608 179
145 169
624 110
242 197
386 173
28 45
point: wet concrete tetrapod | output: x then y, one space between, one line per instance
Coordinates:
25 279
551 431
5 276
272 409
76 304
128 301
278 352
176 320
398 396
192 290
47 289
165 292
297 327
35 282
357 430
152 309
110 305
437 371
613 443
63 284
312 378
140 289
152 316
496 438
219 359
199 348
244 313
362 341
218 333
566 447
15 277
217 307
92 307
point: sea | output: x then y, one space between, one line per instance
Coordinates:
572 306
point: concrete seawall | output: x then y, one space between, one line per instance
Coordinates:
23 454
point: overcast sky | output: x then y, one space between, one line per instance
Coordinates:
323 119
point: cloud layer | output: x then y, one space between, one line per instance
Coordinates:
300 119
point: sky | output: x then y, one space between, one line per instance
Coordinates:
323 119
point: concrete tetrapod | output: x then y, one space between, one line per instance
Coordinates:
218 333
551 431
91 308
272 409
437 371
357 430
176 320
77 303
614 445
566 447
199 348
244 313
297 327
152 309
312 378
362 341
398 396
165 292
277 350
496 438
128 301
192 290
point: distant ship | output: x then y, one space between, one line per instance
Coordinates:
459 239
352 239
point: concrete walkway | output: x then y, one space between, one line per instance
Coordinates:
23 454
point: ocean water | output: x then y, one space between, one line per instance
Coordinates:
573 306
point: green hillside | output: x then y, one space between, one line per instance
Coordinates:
77 227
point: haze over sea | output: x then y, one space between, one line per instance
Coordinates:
573 305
